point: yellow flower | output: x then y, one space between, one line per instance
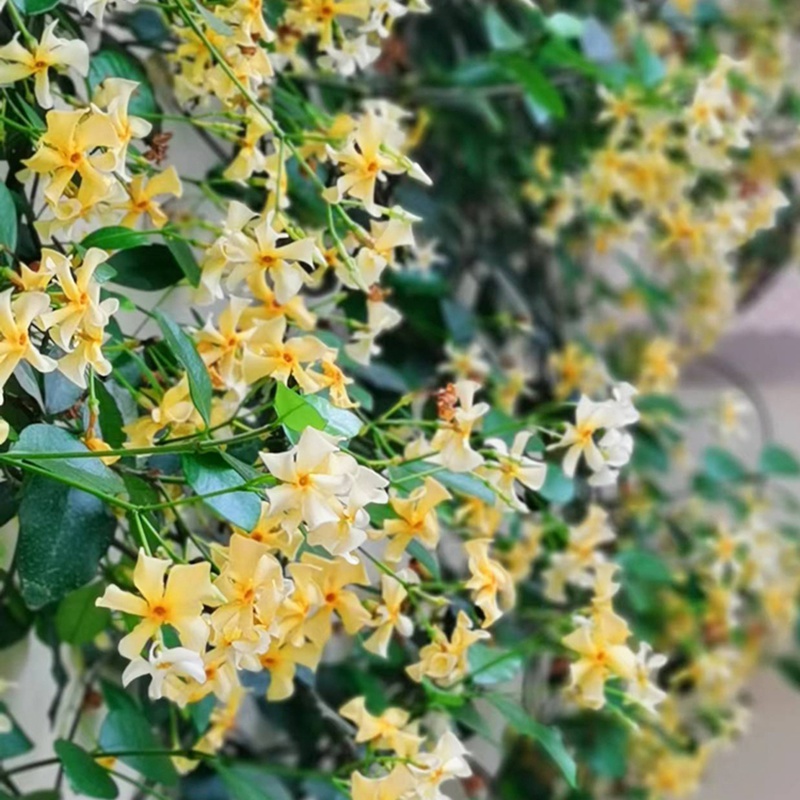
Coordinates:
488 581
115 94
388 616
320 16
268 249
49 53
80 304
68 148
270 356
140 198
364 162
332 577
179 603
389 730
16 318
451 440
659 368
600 657
281 662
417 519
444 660
390 787
252 586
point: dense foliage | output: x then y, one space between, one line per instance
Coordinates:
339 348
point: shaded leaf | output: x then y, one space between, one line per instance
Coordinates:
208 473
183 349
63 533
84 775
548 737
78 621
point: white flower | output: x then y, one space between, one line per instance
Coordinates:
313 475
451 440
444 763
514 467
162 664
642 689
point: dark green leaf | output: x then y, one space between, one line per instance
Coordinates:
8 220
78 621
149 267
251 782
63 533
208 473
548 737
186 260
425 557
114 237
85 776
15 742
9 502
110 418
779 461
184 350
126 729
722 466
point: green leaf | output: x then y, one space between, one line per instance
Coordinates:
501 35
565 25
184 350
126 729
490 665
460 482
295 412
251 782
473 719
114 63
89 473
14 742
548 737
664 404
442 697
8 220
722 466
78 621
63 533
33 7
557 487
789 668
85 776
185 259
208 473
9 502
645 566
534 82
110 417
338 421
15 617
779 461
114 237
149 267
418 551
